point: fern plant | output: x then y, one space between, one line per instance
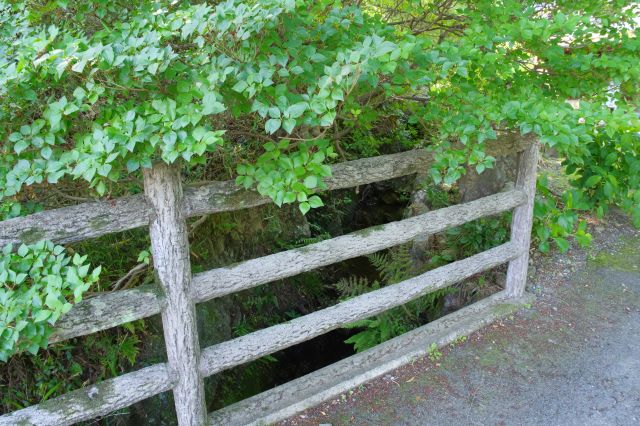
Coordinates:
392 267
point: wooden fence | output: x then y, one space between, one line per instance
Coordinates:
165 206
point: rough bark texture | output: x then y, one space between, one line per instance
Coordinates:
108 310
267 341
77 223
523 221
91 220
170 249
298 395
96 400
252 236
222 281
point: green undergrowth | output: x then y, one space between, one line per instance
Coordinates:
26 379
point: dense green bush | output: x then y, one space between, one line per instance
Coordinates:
116 86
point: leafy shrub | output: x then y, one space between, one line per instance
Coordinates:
471 238
161 81
39 283
117 87
556 217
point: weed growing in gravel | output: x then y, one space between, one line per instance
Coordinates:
434 352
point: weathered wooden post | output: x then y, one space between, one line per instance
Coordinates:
523 220
170 249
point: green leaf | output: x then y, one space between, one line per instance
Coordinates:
315 202
272 125
132 165
311 182
608 189
33 348
611 158
563 244
79 66
23 250
20 146
327 119
101 188
240 86
61 67
288 124
198 133
107 52
544 247
42 315
183 86
304 207
213 138
289 197
153 68
211 104
274 112
296 110
525 128
593 181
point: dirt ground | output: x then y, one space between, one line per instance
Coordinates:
571 358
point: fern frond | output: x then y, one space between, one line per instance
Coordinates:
378 260
352 286
394 266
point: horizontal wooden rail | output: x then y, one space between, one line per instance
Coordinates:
272 339
116 308
254 272
108 310
96 400
91 220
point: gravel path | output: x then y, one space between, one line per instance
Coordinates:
573 358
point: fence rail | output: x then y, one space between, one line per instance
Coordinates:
254 272
92 220
165 207
116 308
97 400
119 307
333 380
272 339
